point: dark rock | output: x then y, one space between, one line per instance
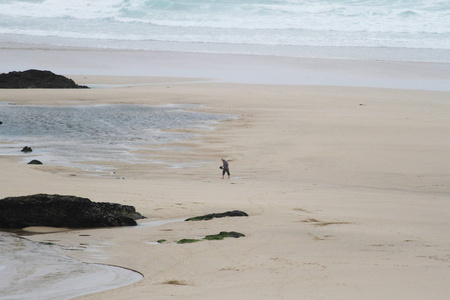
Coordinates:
35 162
64 211
1 122
233 213
27 149
36 79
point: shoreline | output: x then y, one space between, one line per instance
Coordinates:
359 53
230 68
346 187
25 262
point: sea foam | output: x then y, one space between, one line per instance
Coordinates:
215 25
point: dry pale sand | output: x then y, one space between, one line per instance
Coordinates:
347 191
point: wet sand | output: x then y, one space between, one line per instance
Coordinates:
346 190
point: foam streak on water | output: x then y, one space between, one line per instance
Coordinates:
64 135
236 26
31 270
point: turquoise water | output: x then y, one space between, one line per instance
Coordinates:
278 27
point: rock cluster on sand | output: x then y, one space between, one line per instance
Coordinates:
37 79
64 211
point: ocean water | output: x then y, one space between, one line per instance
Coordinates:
73 135
34 271
416 30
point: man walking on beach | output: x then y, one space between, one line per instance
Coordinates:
225 168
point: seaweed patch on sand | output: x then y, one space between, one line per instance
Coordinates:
233 213
214 237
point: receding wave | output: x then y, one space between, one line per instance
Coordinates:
328 23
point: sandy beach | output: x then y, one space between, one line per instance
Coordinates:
347 186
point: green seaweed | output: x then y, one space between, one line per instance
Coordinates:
187 241
200 218
233 213
162 241
213 237
224 234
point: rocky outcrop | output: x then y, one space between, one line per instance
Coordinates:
233 213
36 79
64 211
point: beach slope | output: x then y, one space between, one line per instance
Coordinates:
346 189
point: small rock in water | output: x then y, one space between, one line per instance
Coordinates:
26 149
35 162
